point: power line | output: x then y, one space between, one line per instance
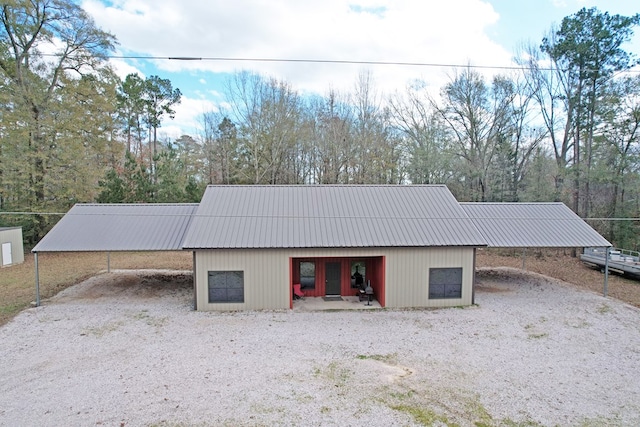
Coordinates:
329 61
611 219
322 61
33 213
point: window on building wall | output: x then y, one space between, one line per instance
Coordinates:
226 286
445 283
358 272
307 275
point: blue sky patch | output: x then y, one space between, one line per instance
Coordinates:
377 11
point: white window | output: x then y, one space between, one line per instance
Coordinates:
308 274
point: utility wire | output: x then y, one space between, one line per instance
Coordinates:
611 219
332 61
33 213
323 61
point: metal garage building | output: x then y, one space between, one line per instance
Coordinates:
11 246
415 245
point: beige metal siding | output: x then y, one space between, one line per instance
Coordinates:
267 280
14 237
407 275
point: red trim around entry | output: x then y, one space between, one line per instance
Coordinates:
291 284
381 275
375 272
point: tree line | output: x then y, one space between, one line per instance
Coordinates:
563 127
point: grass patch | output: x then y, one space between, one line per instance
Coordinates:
403 395
58 271
338 374
444 407
423 416
102 330
510 423
604 309
385 358
532 333
11 309
145 317
538 335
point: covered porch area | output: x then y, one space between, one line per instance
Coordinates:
334 304
320 281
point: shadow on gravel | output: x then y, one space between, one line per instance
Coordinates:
132 284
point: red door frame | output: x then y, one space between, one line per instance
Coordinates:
374 272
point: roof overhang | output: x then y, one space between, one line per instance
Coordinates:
532 225
120 227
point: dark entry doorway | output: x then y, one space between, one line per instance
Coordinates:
333 275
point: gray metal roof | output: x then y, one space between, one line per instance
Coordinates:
528 225
330 216
119 227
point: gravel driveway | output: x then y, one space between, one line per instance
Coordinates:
125 349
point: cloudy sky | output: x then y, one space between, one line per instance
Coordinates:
477 32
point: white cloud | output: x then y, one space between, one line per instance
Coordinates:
123 69
451 32
188 113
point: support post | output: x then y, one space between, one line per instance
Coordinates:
35 257
605 289
195 284
524 257
108 262
473 279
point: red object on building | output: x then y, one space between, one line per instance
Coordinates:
332 276
297 292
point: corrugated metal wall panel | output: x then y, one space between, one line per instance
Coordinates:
408 275
266 278
267 281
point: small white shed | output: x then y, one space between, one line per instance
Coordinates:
11 247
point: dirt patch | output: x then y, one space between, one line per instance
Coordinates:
560 264
486 288
141 284
58 271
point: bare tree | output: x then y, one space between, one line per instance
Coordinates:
376 156
425 141
331 126
269 117
551 90
477 115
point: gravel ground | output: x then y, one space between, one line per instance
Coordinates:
126 349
